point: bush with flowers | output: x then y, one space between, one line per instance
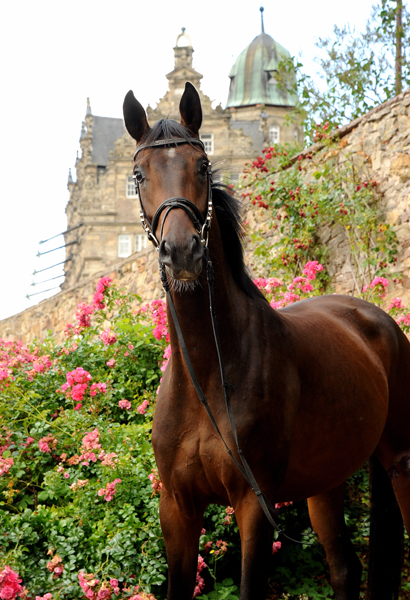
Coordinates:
306 199
75 456
79 489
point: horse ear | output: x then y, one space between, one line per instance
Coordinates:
190 109
135 118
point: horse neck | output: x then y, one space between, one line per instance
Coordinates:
193 307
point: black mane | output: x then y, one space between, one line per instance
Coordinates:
229 214
227 208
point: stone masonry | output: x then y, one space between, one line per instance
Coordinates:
137 274
379 145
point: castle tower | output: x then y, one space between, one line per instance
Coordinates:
183 71
254 91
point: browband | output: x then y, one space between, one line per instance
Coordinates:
170 142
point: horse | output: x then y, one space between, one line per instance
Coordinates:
316 389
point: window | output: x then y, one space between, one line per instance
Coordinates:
274 134
124 245
208 140
130 191
140 241
296 135
272 77
100 171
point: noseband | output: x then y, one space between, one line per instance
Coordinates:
202 224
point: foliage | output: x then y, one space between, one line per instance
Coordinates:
357 71
313 194
76 453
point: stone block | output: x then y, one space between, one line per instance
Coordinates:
392 217
400 165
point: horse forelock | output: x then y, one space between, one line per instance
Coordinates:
166 129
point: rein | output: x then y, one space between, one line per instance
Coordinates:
202 226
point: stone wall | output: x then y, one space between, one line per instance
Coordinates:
380 141
379 145
137 274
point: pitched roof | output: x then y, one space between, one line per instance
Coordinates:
105 132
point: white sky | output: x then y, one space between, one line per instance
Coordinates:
56 54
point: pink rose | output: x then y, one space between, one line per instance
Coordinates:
126 404
276 546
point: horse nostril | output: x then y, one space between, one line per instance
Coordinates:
196 248
165 252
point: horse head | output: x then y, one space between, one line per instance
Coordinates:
173 180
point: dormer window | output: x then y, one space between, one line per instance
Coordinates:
208 140
272 77
130 190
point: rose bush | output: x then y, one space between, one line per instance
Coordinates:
306 199
77 474
79 489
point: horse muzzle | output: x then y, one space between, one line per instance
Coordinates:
183 258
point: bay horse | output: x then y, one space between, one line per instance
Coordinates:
316 389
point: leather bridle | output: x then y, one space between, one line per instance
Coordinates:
202 225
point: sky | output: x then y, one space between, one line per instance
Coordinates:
55 55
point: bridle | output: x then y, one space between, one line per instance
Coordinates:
202 225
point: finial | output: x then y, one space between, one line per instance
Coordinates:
184 35
263 27
88 112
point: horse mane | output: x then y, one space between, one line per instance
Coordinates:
229 213
227 208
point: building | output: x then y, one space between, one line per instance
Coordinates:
103 213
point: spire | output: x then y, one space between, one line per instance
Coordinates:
88 111
70 178
263 27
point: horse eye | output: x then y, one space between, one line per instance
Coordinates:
204 168
138 176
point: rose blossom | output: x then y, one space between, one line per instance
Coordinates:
126 404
